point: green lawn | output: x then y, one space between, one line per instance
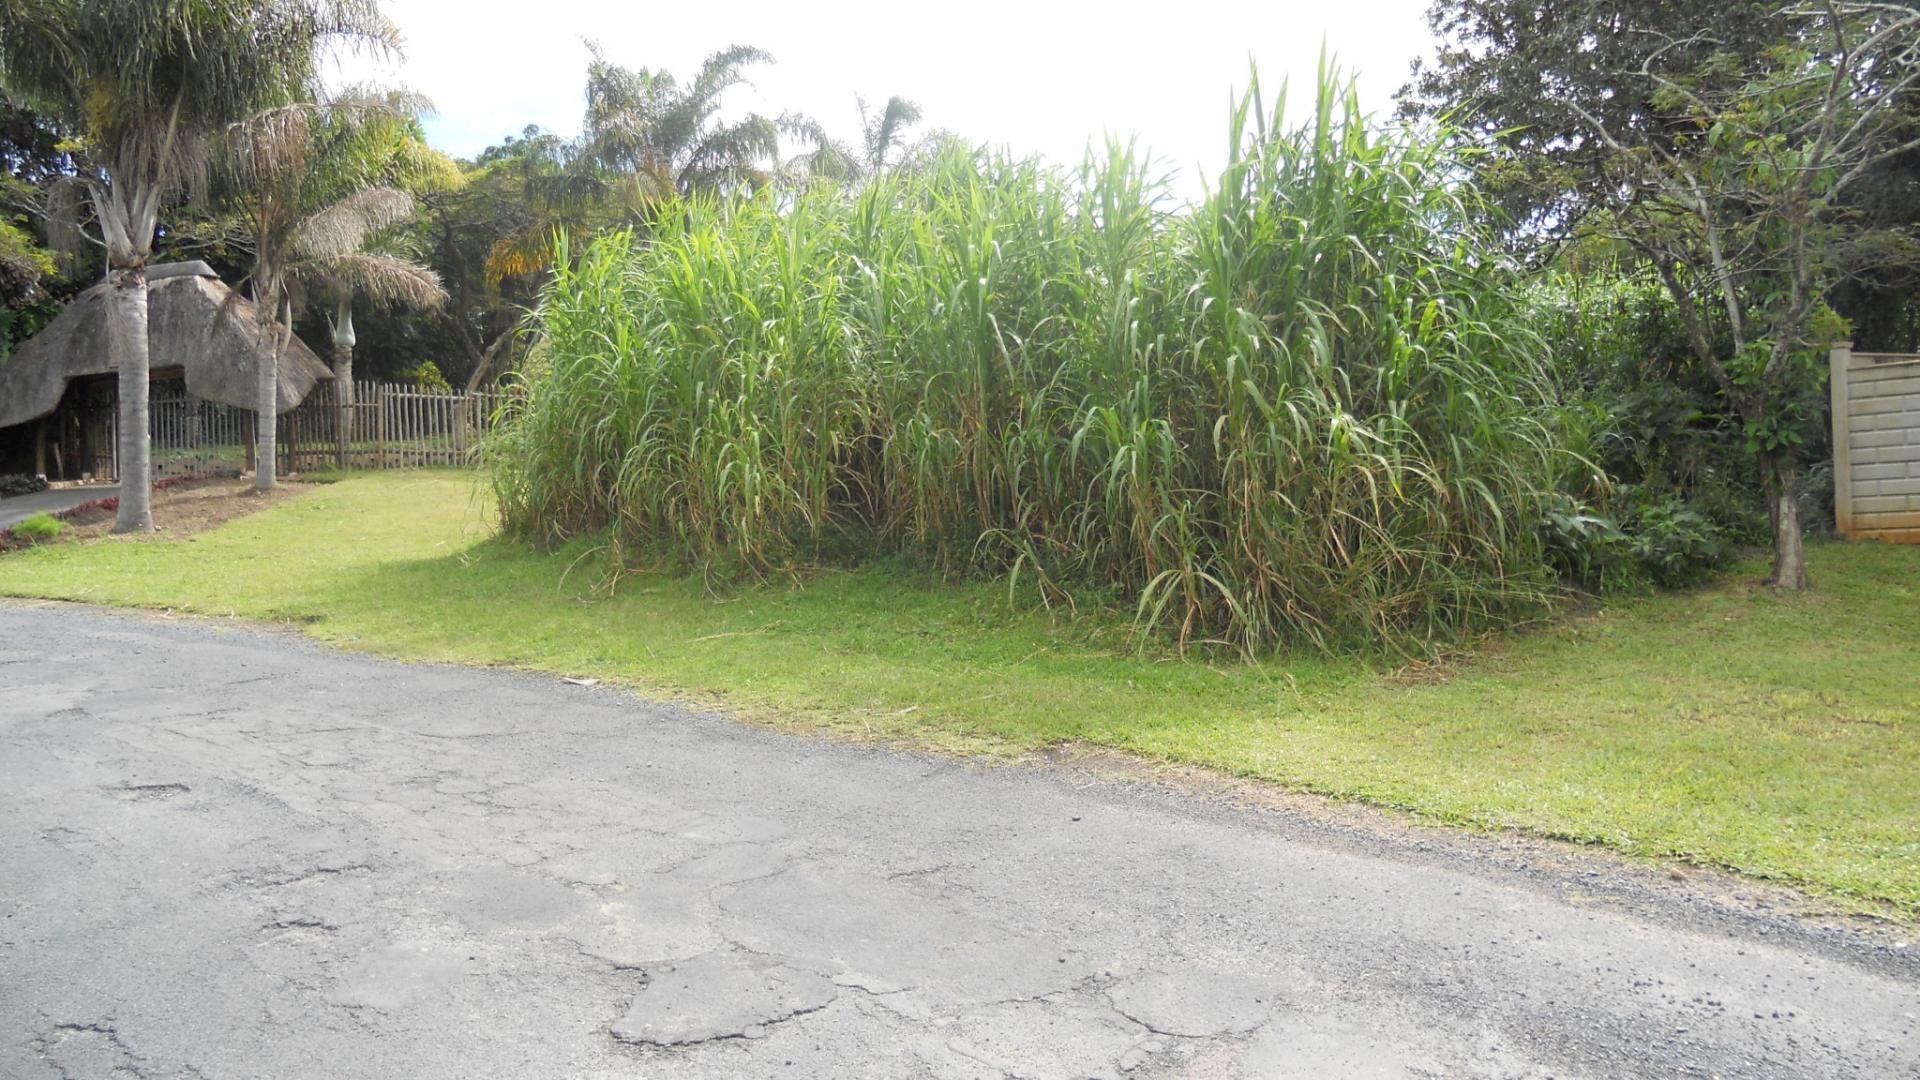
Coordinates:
1776 736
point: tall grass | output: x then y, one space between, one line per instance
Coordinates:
1304 410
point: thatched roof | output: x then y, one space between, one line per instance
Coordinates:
194 322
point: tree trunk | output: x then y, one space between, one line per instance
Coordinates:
127 342
1789 546
266 405
487 361
343 342
343 400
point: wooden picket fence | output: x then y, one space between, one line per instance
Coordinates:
387 426
192 437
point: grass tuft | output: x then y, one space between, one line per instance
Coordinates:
38 528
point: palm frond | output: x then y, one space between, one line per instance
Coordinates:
884 132
345 226
384 279
723 71
270 147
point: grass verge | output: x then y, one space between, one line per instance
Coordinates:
1776 736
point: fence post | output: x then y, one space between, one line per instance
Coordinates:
380 421
1839 359
293 441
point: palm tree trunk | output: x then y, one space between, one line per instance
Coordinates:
343 397
343 342
266 403
127 343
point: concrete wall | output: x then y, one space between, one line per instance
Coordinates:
1876 444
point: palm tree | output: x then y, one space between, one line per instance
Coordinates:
315 184
647 138
881 135
380 271
146 83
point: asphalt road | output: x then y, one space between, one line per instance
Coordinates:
228 853
13 510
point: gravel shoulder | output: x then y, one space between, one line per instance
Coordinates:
228 851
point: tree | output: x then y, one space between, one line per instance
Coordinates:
393 151
1514 70
647 138
145 84
1524 77
459 229
882 143
23 263
314 183
1723 161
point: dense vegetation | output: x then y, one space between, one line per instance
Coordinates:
1322 405
1306 409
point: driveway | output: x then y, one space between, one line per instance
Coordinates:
230 853
13 510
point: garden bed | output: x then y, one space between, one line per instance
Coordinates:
185 507
181 507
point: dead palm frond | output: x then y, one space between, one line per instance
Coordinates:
382 277
346 226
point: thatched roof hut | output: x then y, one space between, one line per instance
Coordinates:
195 324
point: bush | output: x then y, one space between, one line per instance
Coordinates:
1585 546
1665 542
1619 340
426 377
1305 410
39 528
1674 544
12 484
1687 488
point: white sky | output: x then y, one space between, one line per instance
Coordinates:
1037 76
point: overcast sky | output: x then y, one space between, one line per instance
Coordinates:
1034 76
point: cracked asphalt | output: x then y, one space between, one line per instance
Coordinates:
227 852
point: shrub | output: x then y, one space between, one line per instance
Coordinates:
1305 410
426 376
1659 541
1667 432
1675 544
38 528
1585 546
